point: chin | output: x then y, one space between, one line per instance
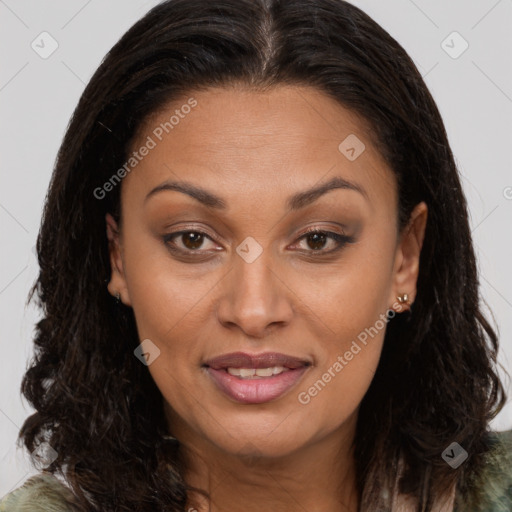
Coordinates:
260 440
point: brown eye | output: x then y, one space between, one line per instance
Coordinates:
192 239
316 240
187 241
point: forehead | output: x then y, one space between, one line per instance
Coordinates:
246 141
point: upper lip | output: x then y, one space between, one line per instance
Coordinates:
264 360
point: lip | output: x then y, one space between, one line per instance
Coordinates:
263 360
258 390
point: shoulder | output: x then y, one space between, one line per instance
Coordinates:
496 481
40 493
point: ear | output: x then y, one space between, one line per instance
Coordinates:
407 258
117 283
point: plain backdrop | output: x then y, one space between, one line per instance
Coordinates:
461 47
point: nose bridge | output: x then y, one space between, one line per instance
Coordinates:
254 279
255 298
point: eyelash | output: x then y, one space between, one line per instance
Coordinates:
341 240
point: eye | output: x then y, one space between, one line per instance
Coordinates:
188 241
192 242
317 239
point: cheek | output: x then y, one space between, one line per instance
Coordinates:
175 387
171 307
351 311
335 388
167 297
349 296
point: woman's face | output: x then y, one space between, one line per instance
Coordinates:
220 262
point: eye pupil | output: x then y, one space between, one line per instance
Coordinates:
318 240
192 240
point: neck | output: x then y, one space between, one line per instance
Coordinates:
318 478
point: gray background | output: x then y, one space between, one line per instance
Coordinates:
37 96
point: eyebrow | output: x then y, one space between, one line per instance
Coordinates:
294 202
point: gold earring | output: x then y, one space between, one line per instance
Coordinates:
403 298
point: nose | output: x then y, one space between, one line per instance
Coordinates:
254 299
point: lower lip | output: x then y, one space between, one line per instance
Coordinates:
256 391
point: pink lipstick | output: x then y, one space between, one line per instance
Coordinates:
256 378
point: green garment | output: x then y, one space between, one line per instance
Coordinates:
40 493
44 493
495 487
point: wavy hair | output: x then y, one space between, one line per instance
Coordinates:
99 408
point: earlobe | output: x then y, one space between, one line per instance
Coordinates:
117 285
407 259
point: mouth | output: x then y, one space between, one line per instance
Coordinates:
258 378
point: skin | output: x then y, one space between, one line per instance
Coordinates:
254 150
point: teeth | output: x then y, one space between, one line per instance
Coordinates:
248 373
264 372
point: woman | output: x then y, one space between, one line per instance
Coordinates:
237 316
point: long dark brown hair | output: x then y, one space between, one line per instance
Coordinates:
98 406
